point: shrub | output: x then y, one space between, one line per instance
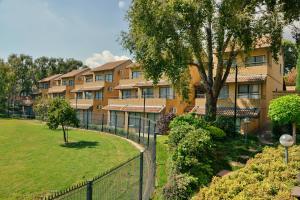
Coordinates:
226 124
193 155
178 132
264 177
164 121
180 187
191 119
216 132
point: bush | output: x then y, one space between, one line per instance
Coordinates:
226 124
264 177
192 119
216 132
164 121
180 187
178 132
193 155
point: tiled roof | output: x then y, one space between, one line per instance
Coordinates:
57 89
87 73
82 106
130 108
125 87
229 111
150 83
133 65
88 88
247 78
110 65
74 73
50 78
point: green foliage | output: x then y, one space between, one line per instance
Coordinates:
181 187
40 108
290 54
193 155
264 177
298 71
285 110
216 132
226 124
178 131
191 118
166 37
61 113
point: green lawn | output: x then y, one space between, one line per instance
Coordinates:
34 160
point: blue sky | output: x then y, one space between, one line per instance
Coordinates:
83 29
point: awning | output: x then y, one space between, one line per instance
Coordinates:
150 83
229 111
81 106
56 90
125 87
127 108
246 78
90 88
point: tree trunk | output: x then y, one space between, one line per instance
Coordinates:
211 107
65 135
294 132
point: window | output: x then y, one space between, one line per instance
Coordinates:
88 95
224 93
108 77
148 92
88 79
71 82
248 91
64 82
99 95
79 95
134 120
233 64
117 119
199 92
166 92
99 78
126 94
255 60
136 74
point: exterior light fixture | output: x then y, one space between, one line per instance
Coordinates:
286 141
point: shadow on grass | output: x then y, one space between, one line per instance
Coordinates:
80 145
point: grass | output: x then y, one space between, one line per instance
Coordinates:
163 168
34 161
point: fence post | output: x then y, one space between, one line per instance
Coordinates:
140 129
87 119
149 123
154 153
141 175
89 190
102 122
116 122
127 134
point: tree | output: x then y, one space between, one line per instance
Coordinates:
286 110
290 77
5 84
166 37
290 55
61 114
40 107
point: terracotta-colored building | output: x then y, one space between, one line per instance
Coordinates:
96 88
137 96
45 84
258 76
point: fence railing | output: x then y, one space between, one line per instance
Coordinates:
133 179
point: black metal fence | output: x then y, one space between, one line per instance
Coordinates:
133 179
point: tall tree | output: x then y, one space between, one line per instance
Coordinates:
167 36
290 55
5 84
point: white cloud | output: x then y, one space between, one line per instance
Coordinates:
121 4
100 58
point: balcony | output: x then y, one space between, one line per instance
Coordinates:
57 89
139 101
82 104
229 102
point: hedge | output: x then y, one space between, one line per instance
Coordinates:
264 177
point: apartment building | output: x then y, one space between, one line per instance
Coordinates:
65 83
137 96
258 76
96 88
45 84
